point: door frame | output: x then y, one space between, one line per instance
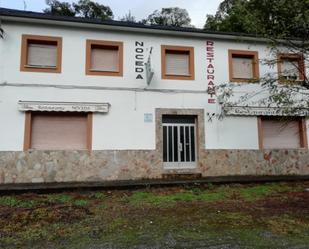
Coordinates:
199 132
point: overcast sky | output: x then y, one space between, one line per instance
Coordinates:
139 8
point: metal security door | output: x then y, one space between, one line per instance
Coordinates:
179 142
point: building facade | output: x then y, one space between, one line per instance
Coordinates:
83 100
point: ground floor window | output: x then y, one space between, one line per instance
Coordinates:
58 131
282 133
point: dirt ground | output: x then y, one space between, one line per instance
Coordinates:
270 216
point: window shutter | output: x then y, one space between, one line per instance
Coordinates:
59 131
106 60
42 55
177 64
242 68
290 69
281 134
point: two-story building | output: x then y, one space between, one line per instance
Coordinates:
84 100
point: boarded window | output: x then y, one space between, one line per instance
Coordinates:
281 134
104 59
42 55
242 67
290 69
177 63
59 131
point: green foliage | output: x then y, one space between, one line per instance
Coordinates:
59 198
225 213
254 193
99 195
90 9
191 195
128 18
58 8
11 201
260 191
270 18
83 8
81 203
176 17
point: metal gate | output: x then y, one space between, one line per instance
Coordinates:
179 142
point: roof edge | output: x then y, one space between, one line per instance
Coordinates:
42 18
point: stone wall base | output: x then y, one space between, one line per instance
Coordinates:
37 167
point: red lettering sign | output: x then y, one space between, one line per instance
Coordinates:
210 57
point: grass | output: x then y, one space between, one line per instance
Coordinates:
59 198
260 191
250 216
210 194
12 201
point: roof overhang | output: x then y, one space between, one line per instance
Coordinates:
124 27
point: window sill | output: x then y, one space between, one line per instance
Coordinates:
40 69
102 71
177 77
242 80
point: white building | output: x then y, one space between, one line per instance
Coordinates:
78 103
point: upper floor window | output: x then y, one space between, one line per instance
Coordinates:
177 62
104 58
291 67
41 54
243 66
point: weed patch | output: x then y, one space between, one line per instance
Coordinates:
11 201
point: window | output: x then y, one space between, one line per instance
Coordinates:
279 133
243 66
41 54
177 62
104 58
58 131
291 67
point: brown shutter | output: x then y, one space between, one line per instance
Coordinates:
281 134
106 60
242 68
52 131
42 55
290 69
177 64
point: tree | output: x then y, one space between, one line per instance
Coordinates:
58 8
90 9
83 8
270 18
128 18
176 17
285 25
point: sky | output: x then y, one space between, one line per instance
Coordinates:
139 8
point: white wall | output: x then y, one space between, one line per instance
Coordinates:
123 127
